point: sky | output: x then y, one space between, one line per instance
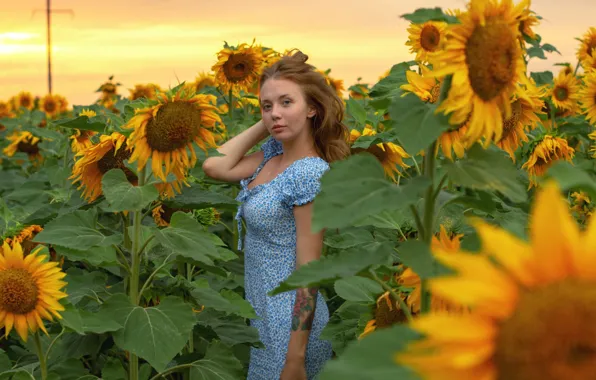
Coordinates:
170 41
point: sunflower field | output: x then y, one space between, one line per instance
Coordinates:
454 233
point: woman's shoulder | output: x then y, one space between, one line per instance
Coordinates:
309 167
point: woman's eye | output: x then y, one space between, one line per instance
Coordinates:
286 102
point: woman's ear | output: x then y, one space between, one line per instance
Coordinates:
311 113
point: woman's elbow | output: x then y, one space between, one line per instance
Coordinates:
209 168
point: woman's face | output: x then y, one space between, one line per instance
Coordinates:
284 109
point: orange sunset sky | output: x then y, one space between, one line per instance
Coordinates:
164 41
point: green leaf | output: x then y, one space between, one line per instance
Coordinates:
372 358
487 170
113 370
187 238
550 48
388 87
5 363
357 111
84 284
358 289
344 325
415 123
83 322
332 267
219 363
347 238
197 198
232 330
122 195
71 369
226 301
542 77
570 177
77 230
356 188
364 142
82 123
97 256
423 15
536 51
156 334
417 255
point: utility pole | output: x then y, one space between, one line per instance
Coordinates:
49 12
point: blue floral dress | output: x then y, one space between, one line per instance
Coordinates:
270 257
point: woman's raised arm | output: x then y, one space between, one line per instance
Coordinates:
235 164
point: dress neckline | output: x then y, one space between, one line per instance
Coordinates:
256 173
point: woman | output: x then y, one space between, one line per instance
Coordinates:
303 115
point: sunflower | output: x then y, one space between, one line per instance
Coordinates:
424 85
386 313
546 152
24 142
587 97
93 162
526 105
147 91
565 92
588 45
360 92
165 131
162 214
203 80
30 289
336 84
5 110
24 99
581 205
527 21
24 238
486 61
50 104
238 67
533 304
428 88
389 154
589 64
426 39
445 242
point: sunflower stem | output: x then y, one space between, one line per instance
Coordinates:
416 165
231 105
42 358
151 276
428 219
576 67
133 364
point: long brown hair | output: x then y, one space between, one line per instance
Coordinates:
331 136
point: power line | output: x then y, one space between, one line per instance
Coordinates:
49 12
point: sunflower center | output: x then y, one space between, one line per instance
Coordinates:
18 291
49 106
510 124
378 152
386 316
435 93
561 93
551 335
173 127
111 161
430 38
237 67
27 147
491 59
25 101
